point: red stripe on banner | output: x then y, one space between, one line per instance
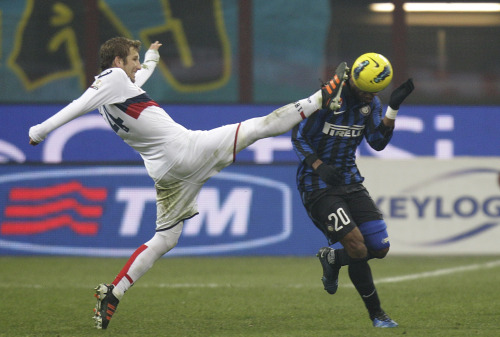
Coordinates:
30 211
124 272
37 227
134 110
40 193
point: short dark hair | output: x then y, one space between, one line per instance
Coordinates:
117 46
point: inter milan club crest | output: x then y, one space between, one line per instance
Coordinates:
365 110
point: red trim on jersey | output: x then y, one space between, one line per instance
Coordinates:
235 141
125 269
302 115
135 105
134 110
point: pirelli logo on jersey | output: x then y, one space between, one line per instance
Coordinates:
343 131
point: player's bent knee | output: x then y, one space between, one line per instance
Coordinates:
164 241
376 237
169 242
356 249
379 254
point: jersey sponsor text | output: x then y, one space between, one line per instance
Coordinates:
343 131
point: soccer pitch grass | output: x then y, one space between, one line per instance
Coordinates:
250 296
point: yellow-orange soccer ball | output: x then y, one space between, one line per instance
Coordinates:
371 72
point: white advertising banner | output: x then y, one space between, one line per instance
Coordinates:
435 206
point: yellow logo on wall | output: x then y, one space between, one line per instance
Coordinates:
51 42
197 56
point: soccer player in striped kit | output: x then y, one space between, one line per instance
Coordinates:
330 183
178 160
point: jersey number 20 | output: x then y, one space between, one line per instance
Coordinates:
339 219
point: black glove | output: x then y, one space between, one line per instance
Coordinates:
400 93
327 173
330 175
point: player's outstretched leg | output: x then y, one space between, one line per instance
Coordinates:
106 305
331 269
285 118
382 320
332 89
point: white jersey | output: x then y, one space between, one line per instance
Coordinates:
178 160
121 103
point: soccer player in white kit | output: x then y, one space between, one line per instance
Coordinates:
179 160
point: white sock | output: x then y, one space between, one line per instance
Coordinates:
144 257
277 122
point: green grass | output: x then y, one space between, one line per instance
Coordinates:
254 296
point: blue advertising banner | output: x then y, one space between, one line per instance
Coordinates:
449 206
111 210
436 131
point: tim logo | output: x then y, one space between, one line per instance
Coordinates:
111 210
35 210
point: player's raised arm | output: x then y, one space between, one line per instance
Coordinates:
148 66
396 99
155 45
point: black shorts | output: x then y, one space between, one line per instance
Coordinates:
337 211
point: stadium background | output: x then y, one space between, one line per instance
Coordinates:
224 61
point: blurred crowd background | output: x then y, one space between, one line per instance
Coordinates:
251 51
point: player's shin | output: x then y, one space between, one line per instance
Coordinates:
361 277
285 118
144 257
277 122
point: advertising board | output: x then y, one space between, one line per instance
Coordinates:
435 131
431 206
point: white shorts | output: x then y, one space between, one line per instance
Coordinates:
204 154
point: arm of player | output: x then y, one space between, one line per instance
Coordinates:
106 89
301 144
148 66
397 97
39 132
327 173
308 156
377 132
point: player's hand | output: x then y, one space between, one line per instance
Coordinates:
32 142
400 93
327 173
155 46
330 175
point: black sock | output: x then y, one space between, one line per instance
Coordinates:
361 276
344 259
